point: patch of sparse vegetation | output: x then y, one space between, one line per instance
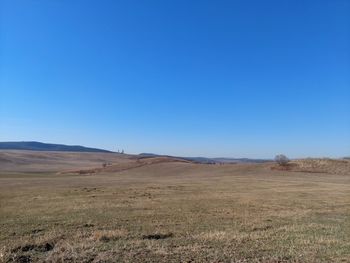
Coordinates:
157 236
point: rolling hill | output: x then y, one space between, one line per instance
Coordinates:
39 146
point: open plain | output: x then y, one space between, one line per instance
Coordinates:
63 207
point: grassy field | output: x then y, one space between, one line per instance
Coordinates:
175 212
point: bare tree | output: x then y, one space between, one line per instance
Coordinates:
281 159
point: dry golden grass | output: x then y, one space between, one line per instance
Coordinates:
175 212
322 165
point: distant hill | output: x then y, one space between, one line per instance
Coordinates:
191 159
208 160
39 146
240 160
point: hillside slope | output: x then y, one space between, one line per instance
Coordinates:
42 161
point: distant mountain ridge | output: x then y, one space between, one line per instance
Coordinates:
40 146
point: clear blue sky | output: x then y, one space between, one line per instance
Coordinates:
209 78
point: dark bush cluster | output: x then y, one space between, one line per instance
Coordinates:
281 159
